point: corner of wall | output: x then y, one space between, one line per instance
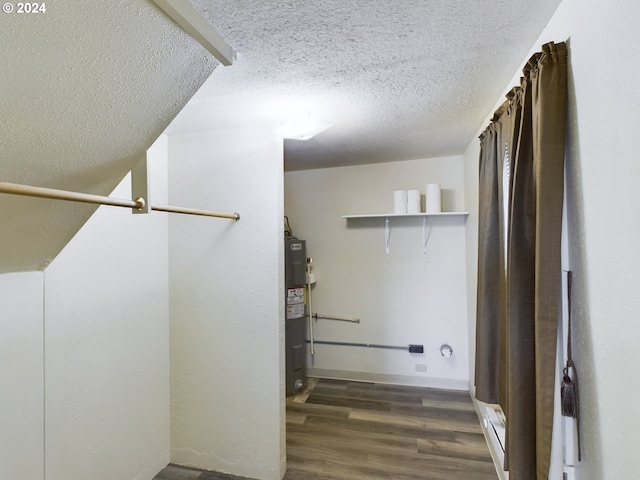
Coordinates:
470 160
227 321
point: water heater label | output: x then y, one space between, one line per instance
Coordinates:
294 293
295 311
295 302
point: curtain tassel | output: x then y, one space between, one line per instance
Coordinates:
569 392
570 404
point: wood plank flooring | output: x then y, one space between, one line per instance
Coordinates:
352 430
342 430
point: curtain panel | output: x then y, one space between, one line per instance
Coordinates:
519 272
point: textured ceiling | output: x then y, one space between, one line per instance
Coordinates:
396 79
85 89
87 86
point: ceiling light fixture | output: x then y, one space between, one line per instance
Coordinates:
195 25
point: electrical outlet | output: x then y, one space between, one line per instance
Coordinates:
420 367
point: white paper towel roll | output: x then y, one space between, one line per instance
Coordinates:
413 206
400 201
413 196
413 201
433 198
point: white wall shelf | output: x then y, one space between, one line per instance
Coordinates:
387 228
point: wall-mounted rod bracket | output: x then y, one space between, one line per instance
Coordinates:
140 184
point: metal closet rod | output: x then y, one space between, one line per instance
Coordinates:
138 203
194 211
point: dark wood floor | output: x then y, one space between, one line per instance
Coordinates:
351 430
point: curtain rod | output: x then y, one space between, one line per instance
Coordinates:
138 203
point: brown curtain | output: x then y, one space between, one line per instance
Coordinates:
490 272
519 306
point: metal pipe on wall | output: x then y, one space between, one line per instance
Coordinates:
353 344
308 278
336 317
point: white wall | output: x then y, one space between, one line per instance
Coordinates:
602 199
21 376
406 297
471 172
84 367
107 343
227 319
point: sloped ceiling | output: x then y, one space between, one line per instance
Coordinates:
85 88
396 79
